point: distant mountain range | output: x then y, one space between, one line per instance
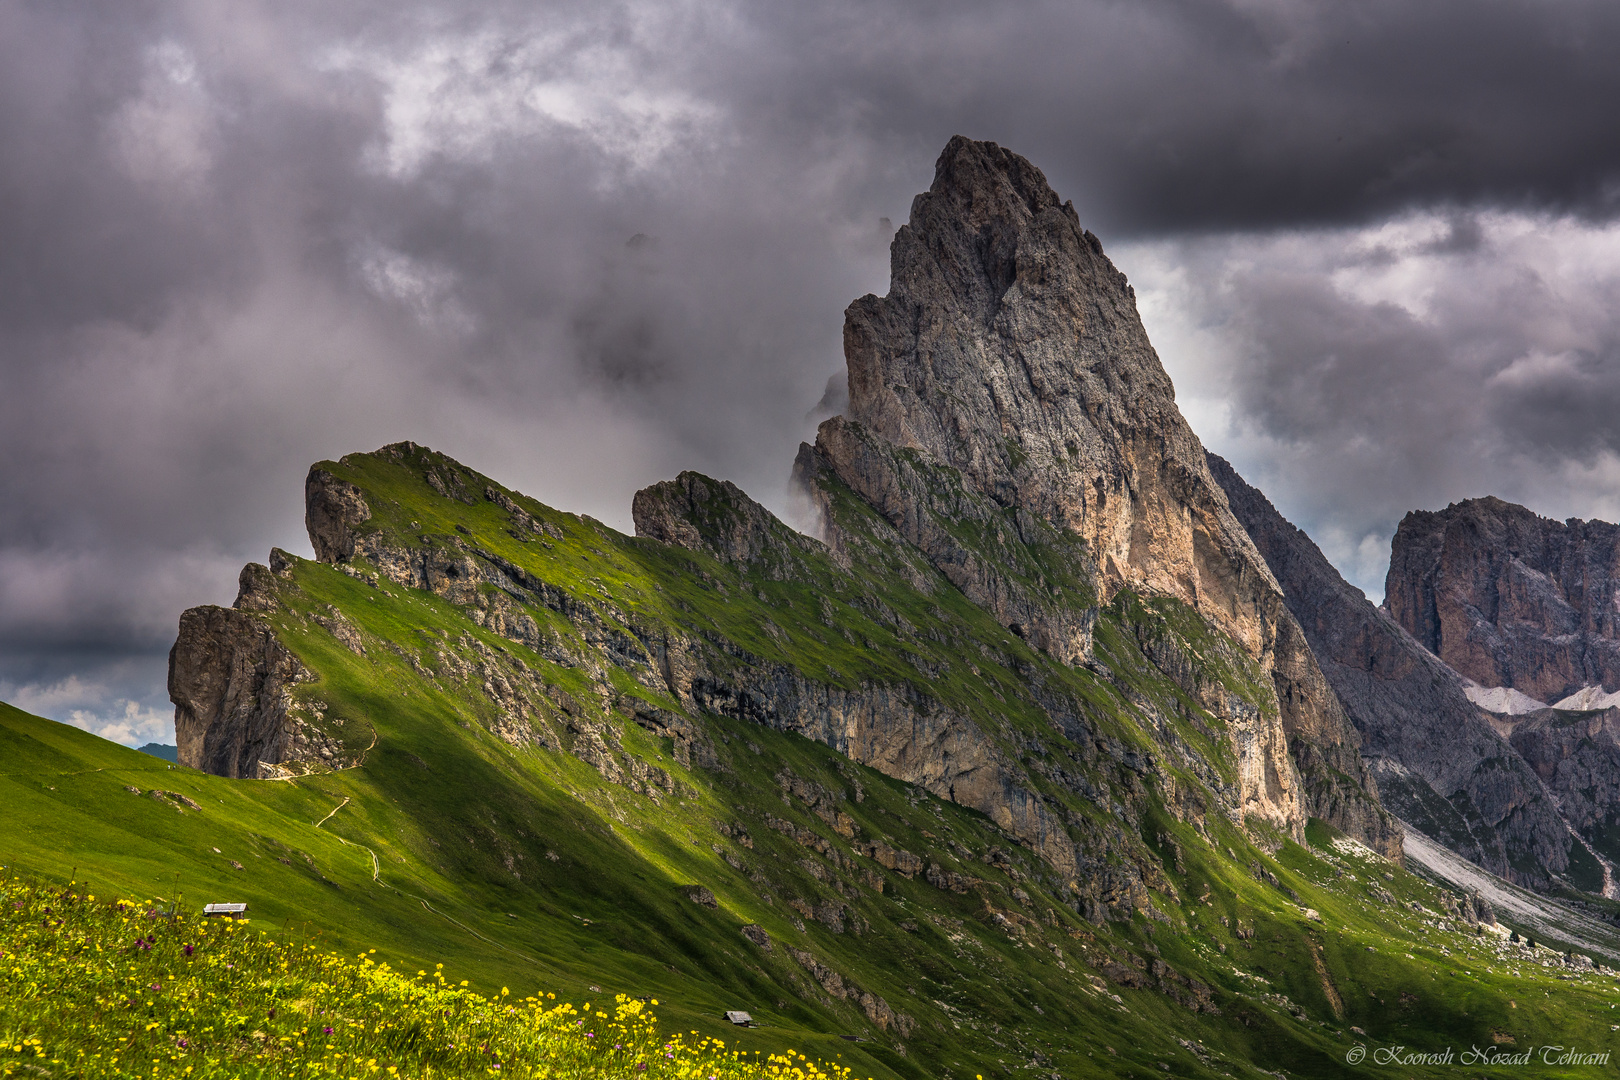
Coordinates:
1530 793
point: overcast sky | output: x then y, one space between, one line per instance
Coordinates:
582 246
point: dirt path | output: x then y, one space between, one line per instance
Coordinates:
335 809
294 777
376 877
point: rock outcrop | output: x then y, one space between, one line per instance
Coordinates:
1439 764
899 732
230 679
1511 599
1007 378
1578 757
716 517
332 510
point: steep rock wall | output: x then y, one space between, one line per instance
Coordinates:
1578 757
1009 350
1508 598
1410 709
231 680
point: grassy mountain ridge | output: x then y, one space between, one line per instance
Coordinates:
556 756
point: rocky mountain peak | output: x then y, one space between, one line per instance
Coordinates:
1010 349
1006 387
992 198
718 518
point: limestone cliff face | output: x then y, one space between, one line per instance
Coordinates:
332 509
1511 599
902 734
1439 764
230 680
1009 353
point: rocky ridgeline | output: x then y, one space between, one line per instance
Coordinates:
1011 438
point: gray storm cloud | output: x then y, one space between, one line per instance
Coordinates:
583 246
1359 373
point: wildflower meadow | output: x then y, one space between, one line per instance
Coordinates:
99 987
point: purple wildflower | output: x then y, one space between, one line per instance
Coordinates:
326 1031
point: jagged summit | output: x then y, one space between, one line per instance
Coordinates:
1007 381
1009 348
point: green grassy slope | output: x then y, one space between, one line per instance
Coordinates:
1394 971
473 833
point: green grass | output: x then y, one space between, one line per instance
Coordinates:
973 977
124 987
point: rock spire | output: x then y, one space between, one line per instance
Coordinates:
1008 372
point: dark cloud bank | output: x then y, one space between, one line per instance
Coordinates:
583 246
